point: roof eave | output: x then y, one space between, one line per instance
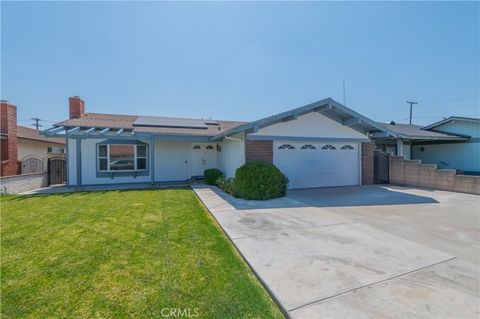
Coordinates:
451 118
359 122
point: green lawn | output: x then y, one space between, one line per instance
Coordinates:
121 254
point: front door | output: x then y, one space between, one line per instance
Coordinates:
204 156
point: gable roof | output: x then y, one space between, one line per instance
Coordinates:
450 119
412 131
31 134
327 107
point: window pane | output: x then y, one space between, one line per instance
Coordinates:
102 150
102 164
141 163
121 157
141 151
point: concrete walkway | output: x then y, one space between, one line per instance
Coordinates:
319 262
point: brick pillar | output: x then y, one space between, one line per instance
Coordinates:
8 128
367 163
76 107
259 151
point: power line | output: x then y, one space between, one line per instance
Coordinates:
450 100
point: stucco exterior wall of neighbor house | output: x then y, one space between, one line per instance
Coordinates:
463 156
471 129
312 124
39 149
232 155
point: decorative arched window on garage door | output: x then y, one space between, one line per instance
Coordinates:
286 147
347 147
329 147
308 147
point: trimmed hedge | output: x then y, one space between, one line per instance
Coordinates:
212 175
258 180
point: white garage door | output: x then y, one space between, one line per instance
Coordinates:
318 164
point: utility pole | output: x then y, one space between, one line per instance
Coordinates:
37 122
411 104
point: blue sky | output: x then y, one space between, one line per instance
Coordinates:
242 60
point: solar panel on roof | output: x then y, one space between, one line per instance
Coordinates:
154 121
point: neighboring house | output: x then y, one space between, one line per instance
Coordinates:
464 156
451 143
24 150
315 145
397 139
34 149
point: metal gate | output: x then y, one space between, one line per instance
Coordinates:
380 167
32 164
57 171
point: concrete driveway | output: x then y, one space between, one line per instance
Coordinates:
362 252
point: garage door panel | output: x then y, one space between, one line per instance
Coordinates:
318 167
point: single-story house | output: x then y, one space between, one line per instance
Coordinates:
452 143
316 145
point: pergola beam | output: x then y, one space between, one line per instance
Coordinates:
55 130
90 130
105 130
73 130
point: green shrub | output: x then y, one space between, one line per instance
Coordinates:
258 180
228 185
212 175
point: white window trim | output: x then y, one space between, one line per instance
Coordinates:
135 157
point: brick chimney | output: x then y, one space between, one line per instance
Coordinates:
76 107
8 139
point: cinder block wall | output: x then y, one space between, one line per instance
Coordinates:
413 173
367 163
259 151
